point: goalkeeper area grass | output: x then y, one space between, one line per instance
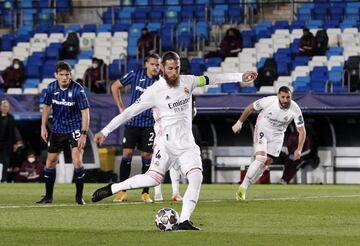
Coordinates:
271 215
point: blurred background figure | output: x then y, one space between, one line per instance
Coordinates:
95 76
31 169
307 43
13 76
230 46
145 44
309 155
9 137
70 48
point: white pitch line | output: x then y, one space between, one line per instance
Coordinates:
201 201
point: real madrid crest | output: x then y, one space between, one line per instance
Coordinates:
186 90
286 118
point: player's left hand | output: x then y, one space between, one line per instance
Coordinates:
297 154
249 76
99 138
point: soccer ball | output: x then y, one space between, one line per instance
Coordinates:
166 219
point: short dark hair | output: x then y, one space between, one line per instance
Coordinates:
284 89
170 55
153 55
61 65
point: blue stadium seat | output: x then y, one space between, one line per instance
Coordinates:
30 83
73 28
52 52
153 26
57 29
140 14
120 27
114 72
197 66
248 89
85 54
7 42
104 28
213 62
230 88
32 71
89 28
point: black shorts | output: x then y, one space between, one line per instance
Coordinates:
142 137
58 142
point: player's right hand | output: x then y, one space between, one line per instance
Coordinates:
44 134
237 127
99 138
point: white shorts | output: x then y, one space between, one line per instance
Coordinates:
268 141
164 157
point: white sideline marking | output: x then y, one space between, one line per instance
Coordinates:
137 203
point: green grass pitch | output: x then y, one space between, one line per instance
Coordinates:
272 215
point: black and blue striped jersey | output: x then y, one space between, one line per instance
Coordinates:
139 81
66 105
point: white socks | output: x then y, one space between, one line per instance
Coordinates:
175 181
192 193
157 190
135 182
254 172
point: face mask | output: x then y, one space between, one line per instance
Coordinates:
31 159
16 66
94 65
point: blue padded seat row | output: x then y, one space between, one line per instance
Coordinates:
30 83
230 88
33 71
197 66
213 62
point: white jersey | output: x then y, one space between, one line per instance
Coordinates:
274 118
172 111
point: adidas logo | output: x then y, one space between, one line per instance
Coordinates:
167 98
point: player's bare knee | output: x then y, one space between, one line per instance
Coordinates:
146 155
128 153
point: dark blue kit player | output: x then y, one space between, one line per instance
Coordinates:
70 111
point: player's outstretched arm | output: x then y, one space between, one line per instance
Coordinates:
238 125
222 78
145 102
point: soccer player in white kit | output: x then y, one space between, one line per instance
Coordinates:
276 113
174 144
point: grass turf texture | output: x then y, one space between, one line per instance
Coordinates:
272 215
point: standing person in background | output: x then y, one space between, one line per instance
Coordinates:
13 76
276 113
140 130
71 47
9 137
145 44
170 99
309 155
71 117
